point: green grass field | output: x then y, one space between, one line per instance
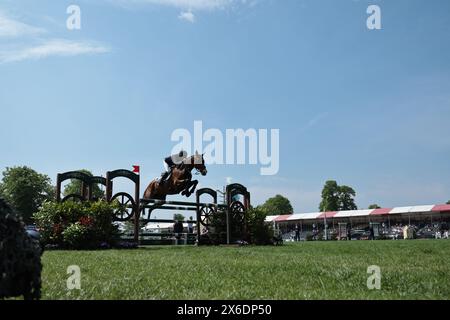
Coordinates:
416 269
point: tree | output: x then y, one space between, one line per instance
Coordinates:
74 187
448 202
374 206
347 198
178 217
330 197
26 190
277 205
337 198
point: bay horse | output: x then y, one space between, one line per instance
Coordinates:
180 180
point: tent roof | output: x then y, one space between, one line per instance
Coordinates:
360 213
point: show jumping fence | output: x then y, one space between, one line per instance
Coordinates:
137 210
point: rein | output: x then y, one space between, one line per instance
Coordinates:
188 163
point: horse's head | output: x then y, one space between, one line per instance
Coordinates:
199 163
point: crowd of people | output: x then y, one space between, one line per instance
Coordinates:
438 230
296 232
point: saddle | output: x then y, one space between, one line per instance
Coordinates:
169 173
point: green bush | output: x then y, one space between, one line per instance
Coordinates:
261 233
76 235
77 225
256 231
218 230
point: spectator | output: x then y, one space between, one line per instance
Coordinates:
405 232
314 232
178 229
297 233
190 225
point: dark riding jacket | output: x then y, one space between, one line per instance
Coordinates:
169 161
174 159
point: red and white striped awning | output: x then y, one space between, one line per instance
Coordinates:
360 213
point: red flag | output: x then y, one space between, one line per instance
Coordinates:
136 169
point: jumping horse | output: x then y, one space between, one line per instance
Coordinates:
180 180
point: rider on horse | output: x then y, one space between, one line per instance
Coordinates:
178 177
171 162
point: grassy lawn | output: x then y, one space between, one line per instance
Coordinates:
415 269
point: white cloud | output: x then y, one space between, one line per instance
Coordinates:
194 5
54 47
10 28
34 48
315 121
187 16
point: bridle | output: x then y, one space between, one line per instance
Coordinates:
197 171
190 161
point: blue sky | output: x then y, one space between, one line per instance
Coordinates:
369 109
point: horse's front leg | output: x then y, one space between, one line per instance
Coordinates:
190 187
194 185
185 184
